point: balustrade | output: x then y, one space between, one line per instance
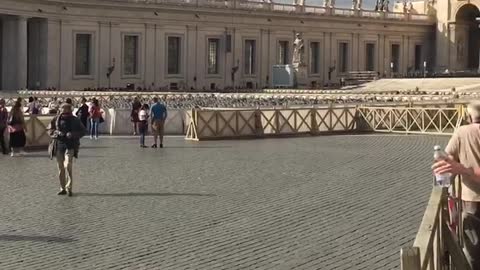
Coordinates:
281 7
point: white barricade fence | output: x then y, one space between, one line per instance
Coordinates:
118 122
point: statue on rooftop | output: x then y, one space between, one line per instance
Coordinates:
359 4
329 3
385 5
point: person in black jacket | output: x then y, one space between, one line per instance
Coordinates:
82 112
66 131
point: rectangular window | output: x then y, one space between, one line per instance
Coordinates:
418 57
130 55
213 44
83 54
314 57
395 57
343 57
370 57
250 53
174 56
282 53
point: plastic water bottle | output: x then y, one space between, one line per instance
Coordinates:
445 178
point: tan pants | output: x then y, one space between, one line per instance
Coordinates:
65 165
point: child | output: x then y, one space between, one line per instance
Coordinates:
143 123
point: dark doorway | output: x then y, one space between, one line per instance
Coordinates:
370 54
468 37
418 57
395 57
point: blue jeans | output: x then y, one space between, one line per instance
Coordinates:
143 129
94 127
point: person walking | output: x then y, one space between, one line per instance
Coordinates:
32 107
16 129
136 107
53 106
66 131
95 118
3 126
82 112
158 115
464 160
143 116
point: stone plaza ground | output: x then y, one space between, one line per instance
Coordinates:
329 202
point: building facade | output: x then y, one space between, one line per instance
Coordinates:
213 44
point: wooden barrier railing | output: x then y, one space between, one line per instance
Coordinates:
36 130
437 245
413 120
221 124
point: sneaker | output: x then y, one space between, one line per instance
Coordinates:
143 146
69 192
91 137
154 146
161 145
134 133
96 137
62 192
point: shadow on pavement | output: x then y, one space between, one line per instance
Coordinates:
143 194
10 237
198 147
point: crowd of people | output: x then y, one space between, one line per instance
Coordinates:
12 123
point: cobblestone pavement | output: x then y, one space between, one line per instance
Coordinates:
332 202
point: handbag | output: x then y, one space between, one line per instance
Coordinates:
101 120
52 148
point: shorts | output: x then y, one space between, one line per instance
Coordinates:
158 127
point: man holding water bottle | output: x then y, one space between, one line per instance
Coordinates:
463 159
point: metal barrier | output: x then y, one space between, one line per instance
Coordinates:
243 123
437 245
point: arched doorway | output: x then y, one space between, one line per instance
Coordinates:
467 37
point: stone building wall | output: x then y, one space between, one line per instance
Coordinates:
48 42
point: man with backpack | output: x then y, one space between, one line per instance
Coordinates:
66 131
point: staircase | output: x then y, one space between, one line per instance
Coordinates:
360 77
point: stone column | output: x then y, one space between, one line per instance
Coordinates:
53 53
22 52
14 53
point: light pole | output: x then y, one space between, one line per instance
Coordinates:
424 69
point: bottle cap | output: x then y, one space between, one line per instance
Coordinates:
437 148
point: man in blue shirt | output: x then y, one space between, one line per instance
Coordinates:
158 115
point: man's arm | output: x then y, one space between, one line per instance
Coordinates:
456 168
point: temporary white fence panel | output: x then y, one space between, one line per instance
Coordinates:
118 122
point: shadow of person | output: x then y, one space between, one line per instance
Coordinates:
146 194
35 238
